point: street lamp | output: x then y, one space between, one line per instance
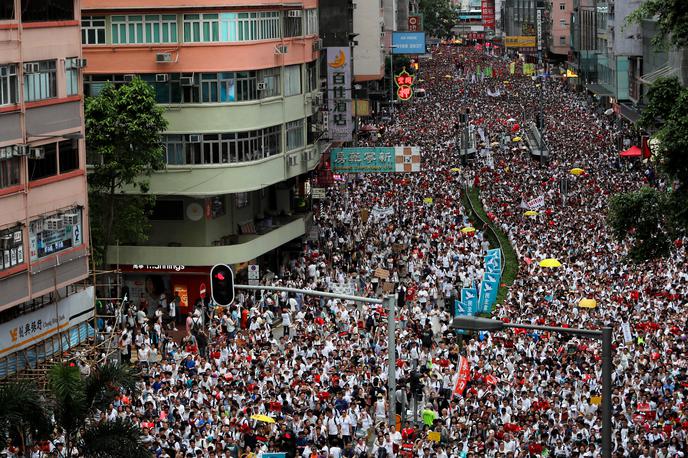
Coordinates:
471 323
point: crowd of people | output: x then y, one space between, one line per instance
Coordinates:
307 376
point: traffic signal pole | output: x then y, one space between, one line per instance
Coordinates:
389 303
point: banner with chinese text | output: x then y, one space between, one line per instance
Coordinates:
375 160
339 94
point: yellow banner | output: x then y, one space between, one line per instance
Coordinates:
519 41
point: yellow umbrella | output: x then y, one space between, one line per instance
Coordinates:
516 139
577 171
466 230
455 169
263 418
587 303
531 213
550 262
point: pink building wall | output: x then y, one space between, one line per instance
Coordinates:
559 29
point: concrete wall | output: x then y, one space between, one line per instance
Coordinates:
368 55
560 32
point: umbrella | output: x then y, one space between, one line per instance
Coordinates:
587 303
577 171
516 139
494 144
550 262
510 120
447 76
531 213
263 418
466 230
455 169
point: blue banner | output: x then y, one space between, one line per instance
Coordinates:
469 296
488 294
494 253
408 42
362 160
493 264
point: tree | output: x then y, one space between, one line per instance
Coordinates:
672 17
123 135
23 417
651 219
113 439
439 16
75 399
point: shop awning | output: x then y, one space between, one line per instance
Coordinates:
633 151
598 89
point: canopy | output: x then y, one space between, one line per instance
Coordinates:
633 151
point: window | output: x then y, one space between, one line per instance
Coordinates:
562 6
46 10
241 199
46 167
69 155
562 22
226 148
6 10
200 28
311 76
93 30
271 79
250 26
311 21
55 233
12 247
292 80
562 40
72 76
294 135
168 210
127 29
293 26
9 167
39 80
160 29
8 84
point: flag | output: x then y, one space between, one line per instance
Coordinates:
495 252
462 376
512 68
469 297
493 265
488 294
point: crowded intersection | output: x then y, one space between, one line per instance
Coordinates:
308 376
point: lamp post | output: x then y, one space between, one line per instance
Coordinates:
472 323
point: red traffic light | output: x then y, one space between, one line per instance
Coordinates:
220 276
222 285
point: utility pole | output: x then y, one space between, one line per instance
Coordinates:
390 304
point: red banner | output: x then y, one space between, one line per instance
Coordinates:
462 376
488 13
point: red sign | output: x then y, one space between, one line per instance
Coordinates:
404 79
202 291
404 92
404 82
414 23
462 376
488 13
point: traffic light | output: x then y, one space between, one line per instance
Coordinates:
222 285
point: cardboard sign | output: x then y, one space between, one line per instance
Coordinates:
434 436
388 287
381 273
365 213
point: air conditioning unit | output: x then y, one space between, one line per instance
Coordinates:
36 153
80 63
162 77
317 44
292 160
262 86
163 57
38 226
20 150
281 49
53 224
195 138
317 99
187 79
294 13
31 67
129 78
70 218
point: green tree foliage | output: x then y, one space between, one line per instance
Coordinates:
672 18
123 127
651 219
23 416
439 16
113 439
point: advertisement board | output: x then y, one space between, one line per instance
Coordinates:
415 23
408 42
488 13
339 108
375 160
519 41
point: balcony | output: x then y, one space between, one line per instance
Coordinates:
229 250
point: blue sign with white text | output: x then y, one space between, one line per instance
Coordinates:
408 42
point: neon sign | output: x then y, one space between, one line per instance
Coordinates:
404 82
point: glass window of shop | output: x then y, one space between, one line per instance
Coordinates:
54 233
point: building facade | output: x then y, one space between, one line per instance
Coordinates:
560 27
241 88
43 194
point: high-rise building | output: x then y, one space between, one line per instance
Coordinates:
560 27
240 85
43 194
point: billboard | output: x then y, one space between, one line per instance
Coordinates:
340 122
375 160
487 8
519 41
408 42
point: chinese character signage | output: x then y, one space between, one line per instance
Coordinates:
519 41
404 82
339 94
408 43
375 160
488 13
415 23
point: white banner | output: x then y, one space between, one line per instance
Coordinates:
378 213
534 204
626 328
36 326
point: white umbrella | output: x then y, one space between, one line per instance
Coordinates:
510 120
